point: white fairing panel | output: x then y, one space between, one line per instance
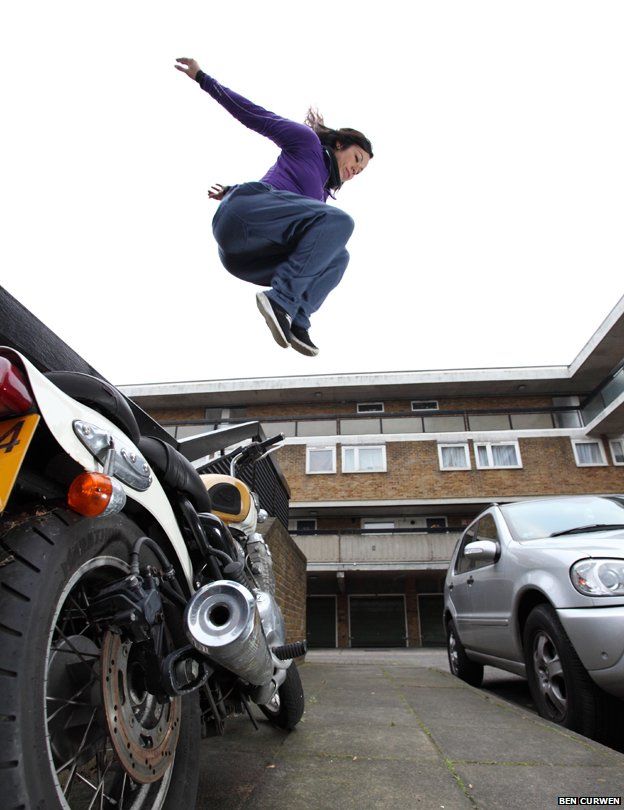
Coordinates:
59 412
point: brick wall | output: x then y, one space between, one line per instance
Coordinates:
289 566
288 410
413 471
175 415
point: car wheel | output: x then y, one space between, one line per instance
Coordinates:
562 690
460 665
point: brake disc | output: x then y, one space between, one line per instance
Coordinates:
144 732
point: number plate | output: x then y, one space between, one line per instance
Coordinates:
15 436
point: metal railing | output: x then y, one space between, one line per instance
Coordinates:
265 478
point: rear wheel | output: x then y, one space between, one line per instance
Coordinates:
286 708
460 665
80 728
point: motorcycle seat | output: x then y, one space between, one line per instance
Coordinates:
170 466
99 395
175 471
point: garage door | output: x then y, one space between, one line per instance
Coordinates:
430 607
377 621
321 621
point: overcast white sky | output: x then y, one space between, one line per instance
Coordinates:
488 225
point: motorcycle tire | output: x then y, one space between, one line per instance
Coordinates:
52 705
286 708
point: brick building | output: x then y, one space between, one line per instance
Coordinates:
385 469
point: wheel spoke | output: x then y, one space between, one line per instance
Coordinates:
91 680
540 650
74 759
74 649
556 698
123 790
555 668
94 788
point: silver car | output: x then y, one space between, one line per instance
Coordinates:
537 588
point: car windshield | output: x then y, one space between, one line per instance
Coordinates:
530 520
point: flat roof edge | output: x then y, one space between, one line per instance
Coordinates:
408 378
599 335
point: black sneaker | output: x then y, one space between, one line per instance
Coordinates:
277 319
300 341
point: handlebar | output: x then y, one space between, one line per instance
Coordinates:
255 451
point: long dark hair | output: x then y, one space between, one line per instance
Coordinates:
330 137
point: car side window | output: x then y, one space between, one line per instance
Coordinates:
463 563
487 529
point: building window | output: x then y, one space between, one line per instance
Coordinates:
617 450
588 453
425 405
436 522
497 456
370 407
378 525
320 460
305 525
453 457
364 459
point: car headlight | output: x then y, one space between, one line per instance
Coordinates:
598 577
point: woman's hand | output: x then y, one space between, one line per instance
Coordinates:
188 66
217 191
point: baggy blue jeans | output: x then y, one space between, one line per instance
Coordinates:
291 243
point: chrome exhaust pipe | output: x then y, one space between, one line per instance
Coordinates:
223 622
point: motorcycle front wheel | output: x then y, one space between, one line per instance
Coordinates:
79 729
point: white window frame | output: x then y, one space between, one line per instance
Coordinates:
366 407
357 448
308 520
620 440
310 449
416 402
387 525
468 466
491 466
602 463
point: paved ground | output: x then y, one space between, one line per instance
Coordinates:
388 729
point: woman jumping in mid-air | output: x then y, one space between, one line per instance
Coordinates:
278 232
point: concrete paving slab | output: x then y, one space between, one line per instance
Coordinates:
321 784
381 736
519 787
468 724
347 738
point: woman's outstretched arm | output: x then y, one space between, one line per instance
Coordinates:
286 134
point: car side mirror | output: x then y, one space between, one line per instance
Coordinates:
482 550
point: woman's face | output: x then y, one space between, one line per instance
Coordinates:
351 160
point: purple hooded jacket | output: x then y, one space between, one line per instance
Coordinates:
303 166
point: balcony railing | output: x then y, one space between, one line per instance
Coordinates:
609 392
445 421
406 549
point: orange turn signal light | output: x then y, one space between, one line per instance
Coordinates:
93 494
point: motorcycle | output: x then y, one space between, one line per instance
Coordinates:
137 601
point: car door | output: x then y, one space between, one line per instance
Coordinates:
460 588
491 594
